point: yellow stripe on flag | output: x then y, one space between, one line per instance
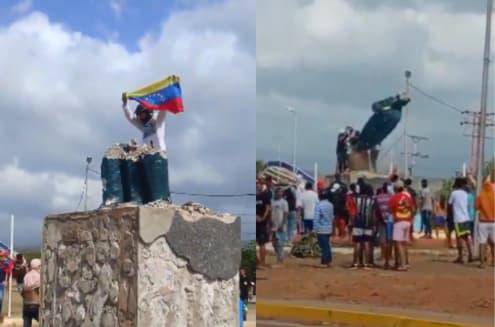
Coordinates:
154 87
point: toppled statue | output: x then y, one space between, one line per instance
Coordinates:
387 114
356 149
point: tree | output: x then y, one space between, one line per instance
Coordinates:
446 187
248 259
490 169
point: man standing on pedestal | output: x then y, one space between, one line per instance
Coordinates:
152 127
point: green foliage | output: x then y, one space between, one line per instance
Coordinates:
489 169
248 259
446 187
29 255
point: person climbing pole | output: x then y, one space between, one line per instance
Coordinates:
342 144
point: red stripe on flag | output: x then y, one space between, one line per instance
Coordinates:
173 105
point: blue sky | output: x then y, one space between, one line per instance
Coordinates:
65 70
125 21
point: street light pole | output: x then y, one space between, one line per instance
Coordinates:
406 150
294 149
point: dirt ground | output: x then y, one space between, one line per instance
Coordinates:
433 283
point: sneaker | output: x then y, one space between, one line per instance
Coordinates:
354 266
321 265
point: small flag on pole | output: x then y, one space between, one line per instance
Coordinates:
162 95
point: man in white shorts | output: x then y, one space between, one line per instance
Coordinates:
485 204
401 207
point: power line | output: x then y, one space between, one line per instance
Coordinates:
80 199
94 171
383 154
437 100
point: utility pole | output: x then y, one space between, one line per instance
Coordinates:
406 150
484 96
473 118
415 153
88 162
483 115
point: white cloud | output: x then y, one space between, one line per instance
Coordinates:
61 89
334 35
22 7
56 191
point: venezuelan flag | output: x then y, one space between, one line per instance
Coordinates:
161 95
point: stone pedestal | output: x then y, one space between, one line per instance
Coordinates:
359 160
141 266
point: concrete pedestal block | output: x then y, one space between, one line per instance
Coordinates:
141 266
359 160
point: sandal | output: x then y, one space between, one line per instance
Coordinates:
354 266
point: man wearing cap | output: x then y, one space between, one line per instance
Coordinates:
31 293
401 207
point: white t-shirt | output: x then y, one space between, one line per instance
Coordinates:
309 199
279 208
459 201
153 131
426 199
299 193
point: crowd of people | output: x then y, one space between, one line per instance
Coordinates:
28 282
369 217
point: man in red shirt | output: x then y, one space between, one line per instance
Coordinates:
401 207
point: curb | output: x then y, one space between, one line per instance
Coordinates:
314 314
